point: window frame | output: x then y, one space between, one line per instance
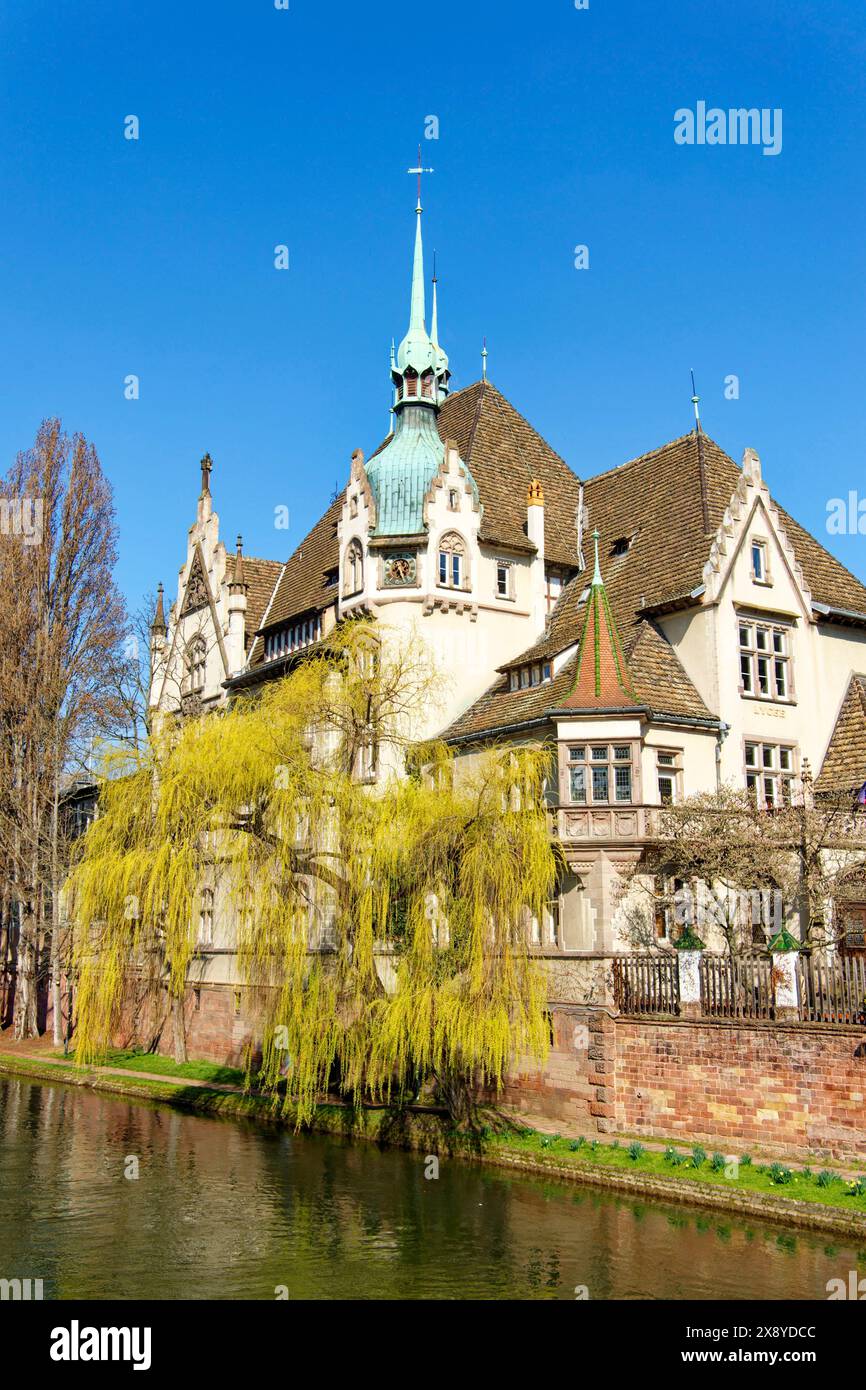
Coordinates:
601 772
507 566
761 773
454 552
353 569
778 662
761 545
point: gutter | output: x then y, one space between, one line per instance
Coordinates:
654 716
841 614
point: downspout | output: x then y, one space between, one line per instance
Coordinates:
724 730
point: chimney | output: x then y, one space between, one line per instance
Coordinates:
535 533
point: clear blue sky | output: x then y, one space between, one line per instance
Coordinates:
261 126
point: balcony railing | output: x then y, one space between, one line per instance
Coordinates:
623 823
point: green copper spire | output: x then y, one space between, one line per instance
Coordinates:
402 472
416 352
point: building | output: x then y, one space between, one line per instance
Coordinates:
665 625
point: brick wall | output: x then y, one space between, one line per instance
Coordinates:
216 1030
795 1090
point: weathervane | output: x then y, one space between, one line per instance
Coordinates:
419 171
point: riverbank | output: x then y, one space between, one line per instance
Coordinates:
831 1201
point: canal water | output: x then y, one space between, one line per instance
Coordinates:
223 1209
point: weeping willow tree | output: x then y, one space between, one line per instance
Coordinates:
426 882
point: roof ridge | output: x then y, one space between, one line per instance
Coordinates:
529 425
650 453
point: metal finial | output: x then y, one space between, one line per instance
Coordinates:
596 578
484 359
419 171
696 400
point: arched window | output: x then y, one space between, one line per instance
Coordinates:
353 575
195 664
452 562
205 917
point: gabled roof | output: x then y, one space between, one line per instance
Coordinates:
504 453
844 765
260 577
303 585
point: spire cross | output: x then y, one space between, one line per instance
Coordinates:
419 171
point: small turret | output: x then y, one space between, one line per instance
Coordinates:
159 627
237 607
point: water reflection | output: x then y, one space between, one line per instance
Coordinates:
225 1209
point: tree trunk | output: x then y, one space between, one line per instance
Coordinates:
56 952
178 1030
25 1015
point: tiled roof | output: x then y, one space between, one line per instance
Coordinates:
302 586
260 577
602 678
659 682
667 504
504 453
656 504
845 760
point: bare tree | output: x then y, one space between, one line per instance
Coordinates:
62 626
721 864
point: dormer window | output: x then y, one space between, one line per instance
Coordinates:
621 546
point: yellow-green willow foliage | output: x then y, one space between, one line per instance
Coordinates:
428 882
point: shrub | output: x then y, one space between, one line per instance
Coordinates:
825 1178
577 1144
779 1173
635 1150
717 1163
857 1188
746 1161
699 1156
671 1155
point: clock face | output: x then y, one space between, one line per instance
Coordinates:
399 569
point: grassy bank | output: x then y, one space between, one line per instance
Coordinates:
819 1199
